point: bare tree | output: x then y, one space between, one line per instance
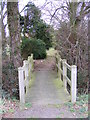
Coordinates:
71 36
73 12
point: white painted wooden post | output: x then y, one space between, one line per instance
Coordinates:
60 67
31 62
56 62
30 66
64 74
73 83
25 65
28 58
21 85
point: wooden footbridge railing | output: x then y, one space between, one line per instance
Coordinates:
62 68
24 76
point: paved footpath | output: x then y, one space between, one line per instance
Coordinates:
44 91
44 95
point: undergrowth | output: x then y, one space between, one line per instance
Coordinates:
81 105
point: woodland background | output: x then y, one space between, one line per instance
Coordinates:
67 32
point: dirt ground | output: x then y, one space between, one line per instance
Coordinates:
46 64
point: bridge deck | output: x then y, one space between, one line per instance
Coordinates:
46 90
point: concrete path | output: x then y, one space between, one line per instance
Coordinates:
44 91
45 112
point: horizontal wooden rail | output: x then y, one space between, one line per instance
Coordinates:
68 80
63 71
68 66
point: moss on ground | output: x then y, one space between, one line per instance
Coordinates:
55 105
58 83
31 79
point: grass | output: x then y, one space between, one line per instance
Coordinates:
1 102
51 52
1 112
25 106
14 99
28 105
11 110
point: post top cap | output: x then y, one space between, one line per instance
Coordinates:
20 68
74 66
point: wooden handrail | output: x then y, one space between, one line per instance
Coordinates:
73 81
24 79
68 66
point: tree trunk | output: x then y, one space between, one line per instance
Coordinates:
73 26
14 31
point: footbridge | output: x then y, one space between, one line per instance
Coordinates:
47 86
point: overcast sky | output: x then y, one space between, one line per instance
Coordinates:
36 2
45 14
